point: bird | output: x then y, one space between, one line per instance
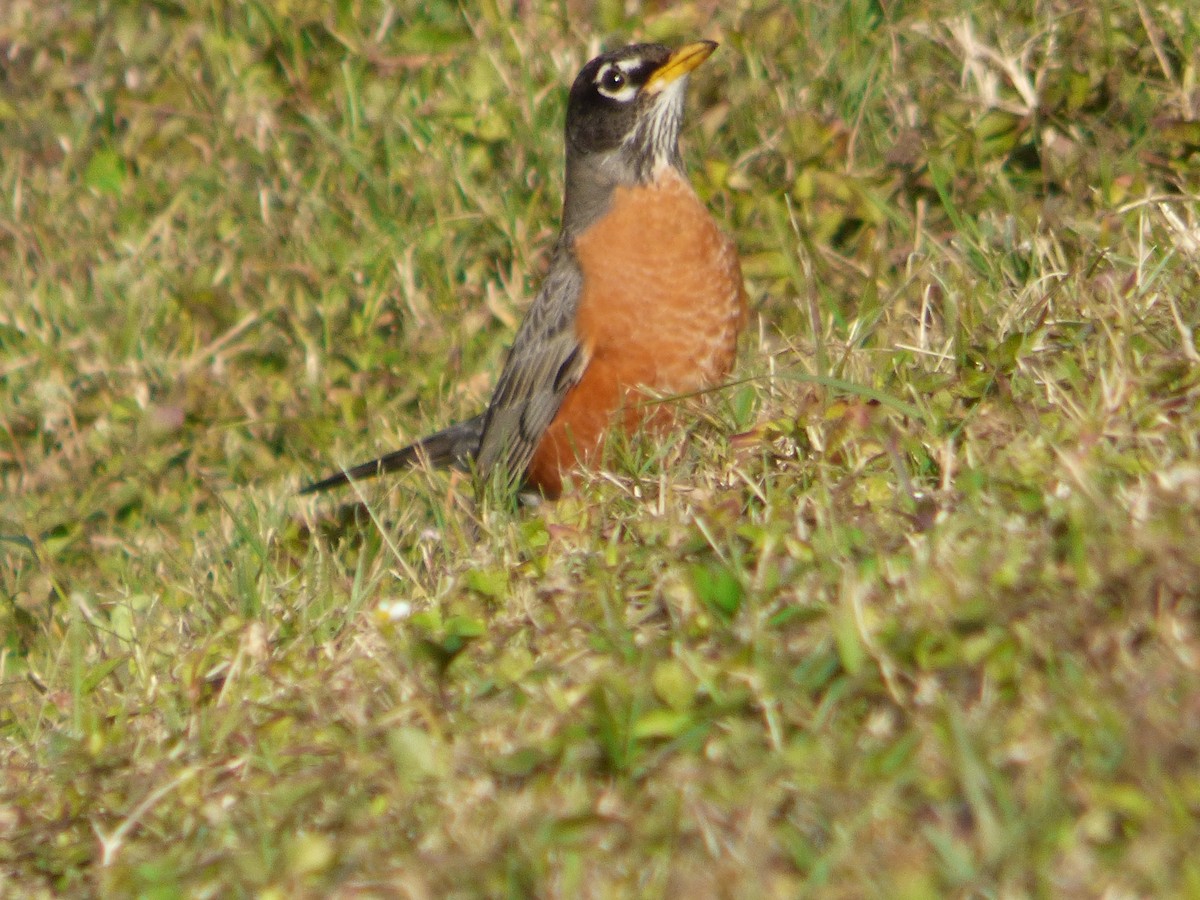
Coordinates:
643 296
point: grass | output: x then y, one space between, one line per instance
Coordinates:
912 612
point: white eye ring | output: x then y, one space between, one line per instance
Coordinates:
613 82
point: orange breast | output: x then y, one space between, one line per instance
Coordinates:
661 308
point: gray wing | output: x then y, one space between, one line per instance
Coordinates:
545 362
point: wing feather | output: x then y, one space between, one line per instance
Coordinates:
546 361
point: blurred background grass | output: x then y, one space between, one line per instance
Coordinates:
915 615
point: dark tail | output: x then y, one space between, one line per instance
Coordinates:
452 447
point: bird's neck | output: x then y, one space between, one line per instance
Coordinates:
591 182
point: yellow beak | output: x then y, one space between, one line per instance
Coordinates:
678 64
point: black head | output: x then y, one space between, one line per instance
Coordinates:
623 119
616 93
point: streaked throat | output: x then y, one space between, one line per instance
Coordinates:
654 143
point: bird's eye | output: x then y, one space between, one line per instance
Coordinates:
613 81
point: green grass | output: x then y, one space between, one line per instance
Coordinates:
912 612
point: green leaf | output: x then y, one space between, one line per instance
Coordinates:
414 753
850 647
660 723
519 764
718 588
431 38
459 632
464 627
491 583
673 685
444 642
105 172
101 671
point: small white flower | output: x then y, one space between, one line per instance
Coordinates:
395 610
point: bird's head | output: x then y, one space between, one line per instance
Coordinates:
623 119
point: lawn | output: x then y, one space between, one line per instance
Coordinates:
911 608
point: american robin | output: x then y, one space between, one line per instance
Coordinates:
644 292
